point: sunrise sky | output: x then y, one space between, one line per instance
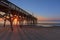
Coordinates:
43 9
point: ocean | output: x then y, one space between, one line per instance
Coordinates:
49 23
41 23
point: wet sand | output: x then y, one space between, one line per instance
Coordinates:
30 33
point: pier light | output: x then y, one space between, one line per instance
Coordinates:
14 15
2 13
19 16
7 16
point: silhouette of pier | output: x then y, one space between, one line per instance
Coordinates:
13 12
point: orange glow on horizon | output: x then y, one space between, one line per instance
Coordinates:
41 18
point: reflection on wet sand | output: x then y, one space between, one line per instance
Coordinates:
29 33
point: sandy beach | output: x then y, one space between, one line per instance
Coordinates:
30 33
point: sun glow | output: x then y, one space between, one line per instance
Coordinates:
15 21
